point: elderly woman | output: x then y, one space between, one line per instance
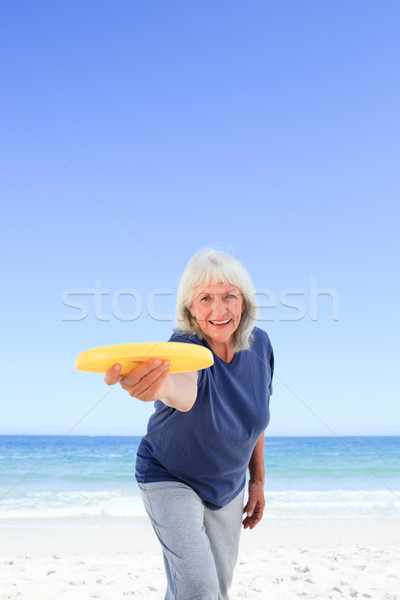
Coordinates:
206 431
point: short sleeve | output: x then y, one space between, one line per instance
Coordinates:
186 338
271 366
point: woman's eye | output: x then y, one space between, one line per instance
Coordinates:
231 297
206 298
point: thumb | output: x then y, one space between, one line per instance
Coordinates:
249 508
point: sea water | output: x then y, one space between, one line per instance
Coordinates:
46 479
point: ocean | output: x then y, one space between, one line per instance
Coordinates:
46 480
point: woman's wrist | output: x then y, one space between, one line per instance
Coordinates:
256 480
182 391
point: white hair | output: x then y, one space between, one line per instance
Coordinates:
210 266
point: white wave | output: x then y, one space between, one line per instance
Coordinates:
118 504
333 503
79 504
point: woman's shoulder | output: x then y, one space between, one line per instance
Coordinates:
181 336
260 336
189 338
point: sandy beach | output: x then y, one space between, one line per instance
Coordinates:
122 560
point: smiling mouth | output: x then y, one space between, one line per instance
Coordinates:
220 323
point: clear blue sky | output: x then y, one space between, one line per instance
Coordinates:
135 133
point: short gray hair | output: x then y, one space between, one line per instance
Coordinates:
213 266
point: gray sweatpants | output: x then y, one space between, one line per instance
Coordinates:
200 546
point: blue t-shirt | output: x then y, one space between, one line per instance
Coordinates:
209 447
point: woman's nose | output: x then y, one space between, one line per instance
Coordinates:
219 306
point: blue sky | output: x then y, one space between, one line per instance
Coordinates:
135 133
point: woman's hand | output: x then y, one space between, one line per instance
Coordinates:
147 382
255 504
150 381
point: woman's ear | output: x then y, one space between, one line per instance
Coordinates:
190 313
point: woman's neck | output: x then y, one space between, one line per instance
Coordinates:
223 350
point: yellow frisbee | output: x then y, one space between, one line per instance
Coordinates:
183 357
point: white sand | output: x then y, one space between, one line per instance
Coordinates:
275 563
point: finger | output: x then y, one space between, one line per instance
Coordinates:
144 370
246 523
251 522
249 508
150 393
113 375
133 382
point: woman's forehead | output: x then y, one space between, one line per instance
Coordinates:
216 287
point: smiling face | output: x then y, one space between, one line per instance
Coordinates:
217 308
